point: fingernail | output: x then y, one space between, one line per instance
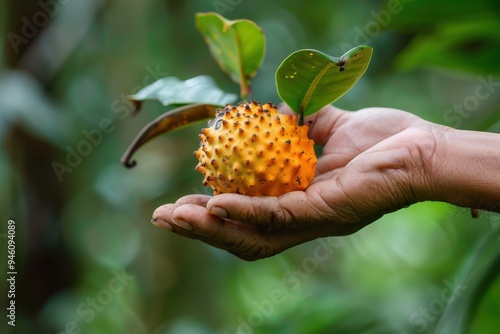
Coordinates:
218 211
162 224
183 224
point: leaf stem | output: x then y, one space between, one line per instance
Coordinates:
301 116
246 90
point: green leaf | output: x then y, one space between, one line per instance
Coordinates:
471 45
237 46
169 121
475 279
424 15
307 80
173 91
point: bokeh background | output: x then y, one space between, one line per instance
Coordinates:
89 260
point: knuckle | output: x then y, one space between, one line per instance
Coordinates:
281 216
347 206
276 217
262 213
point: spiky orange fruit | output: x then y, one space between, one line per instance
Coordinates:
253 150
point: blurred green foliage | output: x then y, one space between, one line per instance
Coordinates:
89 261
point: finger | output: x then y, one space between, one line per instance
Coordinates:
287 211
324 123
326 176
324 208
163 217
197 199
247 241
244 240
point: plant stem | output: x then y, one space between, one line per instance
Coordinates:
246 90
301 116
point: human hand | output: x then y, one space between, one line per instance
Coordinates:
374 161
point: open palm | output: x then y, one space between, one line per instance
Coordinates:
367 169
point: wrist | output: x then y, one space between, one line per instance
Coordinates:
465 168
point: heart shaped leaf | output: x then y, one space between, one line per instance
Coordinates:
173 91
169 121
237 46
308 80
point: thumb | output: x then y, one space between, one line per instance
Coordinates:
291 209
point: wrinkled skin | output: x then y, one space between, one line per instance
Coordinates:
374 161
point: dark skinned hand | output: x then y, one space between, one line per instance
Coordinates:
374 162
